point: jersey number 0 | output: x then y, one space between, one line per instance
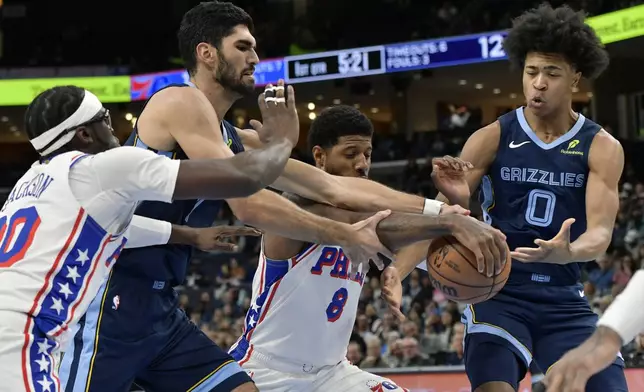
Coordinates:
16 235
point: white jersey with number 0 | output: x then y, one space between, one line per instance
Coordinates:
54 255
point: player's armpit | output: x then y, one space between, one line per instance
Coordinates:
480 150
187 116
606 163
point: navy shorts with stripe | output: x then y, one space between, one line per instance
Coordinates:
531 323
133 336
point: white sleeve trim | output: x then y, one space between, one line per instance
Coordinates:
147 232
625 315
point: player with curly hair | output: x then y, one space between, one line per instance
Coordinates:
548 179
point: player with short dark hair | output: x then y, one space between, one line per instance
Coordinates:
303 289
548 177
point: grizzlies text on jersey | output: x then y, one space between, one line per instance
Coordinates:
530 189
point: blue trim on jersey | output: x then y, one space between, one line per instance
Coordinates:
471 326
78 159
69 283
139 143
78 366
298 255
275 270
547 146
219 377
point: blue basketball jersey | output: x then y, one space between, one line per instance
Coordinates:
532 187
168 263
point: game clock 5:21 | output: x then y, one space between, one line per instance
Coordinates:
335 65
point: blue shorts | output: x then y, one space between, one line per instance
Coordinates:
505 334
133 333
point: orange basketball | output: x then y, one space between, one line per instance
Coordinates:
452 269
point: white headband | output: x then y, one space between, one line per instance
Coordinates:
87 110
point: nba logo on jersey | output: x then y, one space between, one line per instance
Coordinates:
116 301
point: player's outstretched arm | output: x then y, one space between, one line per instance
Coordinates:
143 232
606 163
366 196
183 113
619 325
480 150
401 229
188 117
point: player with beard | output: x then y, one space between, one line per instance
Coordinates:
135 315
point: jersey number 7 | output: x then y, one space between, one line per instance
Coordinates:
16 235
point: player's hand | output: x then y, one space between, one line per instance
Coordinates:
555 251
362 244
447 209
213 238
279 115
485 242
448 174
391 290
572 371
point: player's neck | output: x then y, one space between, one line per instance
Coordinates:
220 98
554 125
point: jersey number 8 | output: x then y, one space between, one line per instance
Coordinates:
16 235
336 307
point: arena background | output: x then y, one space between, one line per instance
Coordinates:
435 71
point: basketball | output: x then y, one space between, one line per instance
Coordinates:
452 269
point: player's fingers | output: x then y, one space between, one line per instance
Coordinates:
577 382
532 252
227 246
522 257
480 260
280 99
487 249
565 228
397 313
261 102
230 231
256 125
379 263
290 97
499 253
269 92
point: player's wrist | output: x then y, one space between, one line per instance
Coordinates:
432 207
184 235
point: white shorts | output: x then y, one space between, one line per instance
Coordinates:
343 377
26 358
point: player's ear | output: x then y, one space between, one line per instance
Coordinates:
84 135
319 155
575 79
206 53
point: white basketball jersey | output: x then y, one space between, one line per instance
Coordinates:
53 256
302 309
